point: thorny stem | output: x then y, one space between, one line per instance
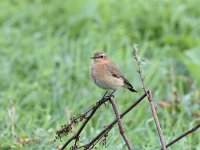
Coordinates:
149 95
121 130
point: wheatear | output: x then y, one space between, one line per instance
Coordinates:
106 75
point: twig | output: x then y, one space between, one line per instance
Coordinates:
85 113
121 130
156 120
149 95
94 109
93 145
108 127
183 135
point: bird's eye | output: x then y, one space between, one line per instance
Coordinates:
101 56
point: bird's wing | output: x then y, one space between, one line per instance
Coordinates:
116 73
113 70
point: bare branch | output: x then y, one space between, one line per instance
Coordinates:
121 130
183 135
156 120
149 95
76 136
108 127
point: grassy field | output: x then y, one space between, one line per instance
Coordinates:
45 49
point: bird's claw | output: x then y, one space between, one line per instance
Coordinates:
106 97
112 96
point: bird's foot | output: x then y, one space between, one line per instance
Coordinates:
112 96
106 97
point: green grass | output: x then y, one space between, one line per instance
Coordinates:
45 46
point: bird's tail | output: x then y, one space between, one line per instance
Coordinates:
132 90
128 86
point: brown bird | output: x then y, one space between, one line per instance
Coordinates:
106 75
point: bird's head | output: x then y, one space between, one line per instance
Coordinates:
99 57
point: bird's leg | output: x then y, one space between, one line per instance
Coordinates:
104 96
111 94
107 97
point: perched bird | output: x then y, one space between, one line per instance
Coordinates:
106 75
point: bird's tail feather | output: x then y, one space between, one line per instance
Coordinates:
132 90
128 85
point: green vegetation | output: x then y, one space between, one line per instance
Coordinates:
45 46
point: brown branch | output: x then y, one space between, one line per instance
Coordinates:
183 135
149 95
85 113
121 130
156 120
108 127
76 136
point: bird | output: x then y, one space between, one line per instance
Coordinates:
106 75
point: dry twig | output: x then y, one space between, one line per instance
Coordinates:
149 95
76 136
183 135
121 130
109 127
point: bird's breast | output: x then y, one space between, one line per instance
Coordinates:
103 78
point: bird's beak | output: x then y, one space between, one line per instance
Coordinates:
93 57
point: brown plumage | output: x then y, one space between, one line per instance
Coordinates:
106 75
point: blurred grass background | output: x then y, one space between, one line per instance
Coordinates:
45 46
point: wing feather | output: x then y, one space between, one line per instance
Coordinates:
115 72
